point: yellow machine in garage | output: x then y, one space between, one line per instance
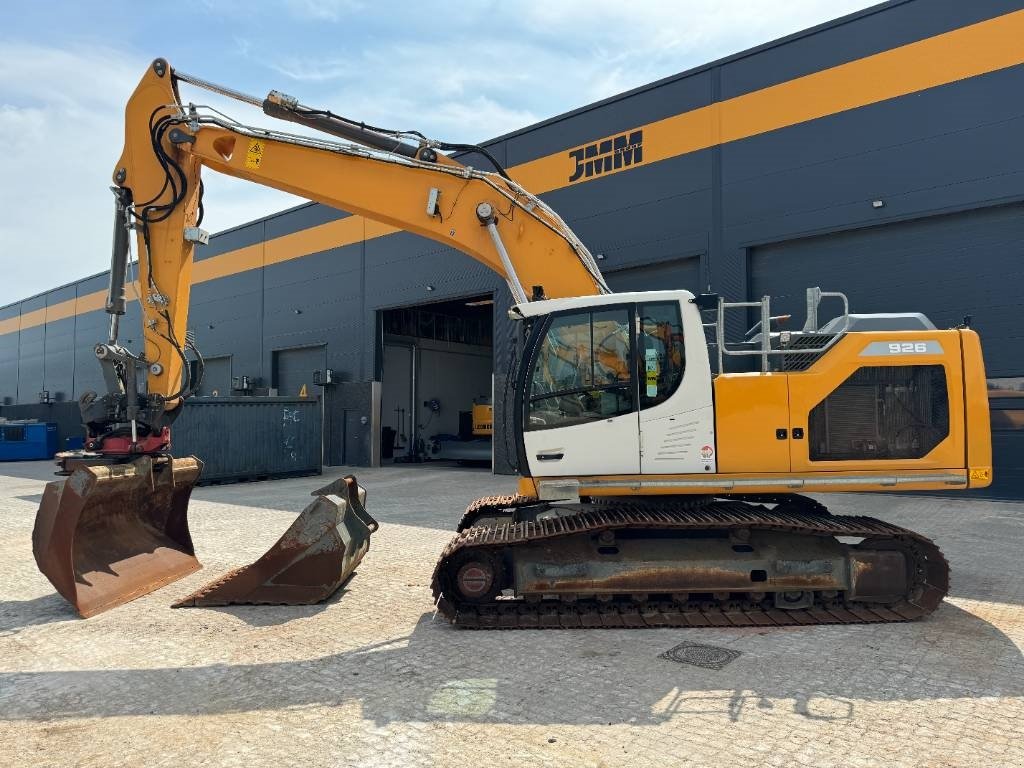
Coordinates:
483 419
663 471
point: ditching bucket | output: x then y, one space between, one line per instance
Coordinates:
316 555
111 533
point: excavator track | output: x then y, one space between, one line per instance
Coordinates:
492 506
475 550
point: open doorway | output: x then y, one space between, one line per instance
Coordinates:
437 370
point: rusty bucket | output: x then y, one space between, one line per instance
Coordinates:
314 557
111 533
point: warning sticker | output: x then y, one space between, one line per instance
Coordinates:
707 452
651 361
254 155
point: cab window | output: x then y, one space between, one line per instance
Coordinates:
662 357
583 370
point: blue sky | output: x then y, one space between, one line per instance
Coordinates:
456 71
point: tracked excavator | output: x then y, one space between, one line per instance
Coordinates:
664 457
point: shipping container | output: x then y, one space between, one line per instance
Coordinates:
251 438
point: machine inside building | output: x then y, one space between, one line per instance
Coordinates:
437 366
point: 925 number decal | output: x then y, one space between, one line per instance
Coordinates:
908 347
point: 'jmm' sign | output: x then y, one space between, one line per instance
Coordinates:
608 155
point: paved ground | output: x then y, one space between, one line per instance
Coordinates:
373 679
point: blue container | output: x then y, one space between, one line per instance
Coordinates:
24 441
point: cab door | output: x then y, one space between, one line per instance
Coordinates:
677 414
581 413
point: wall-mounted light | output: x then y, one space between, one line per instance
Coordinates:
878 203
298 311
430 287
599 256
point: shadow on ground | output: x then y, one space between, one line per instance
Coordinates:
16 615
439 673
276 615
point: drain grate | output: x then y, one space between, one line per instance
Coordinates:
707 656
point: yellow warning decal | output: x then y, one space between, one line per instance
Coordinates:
981 473
254 155
303 392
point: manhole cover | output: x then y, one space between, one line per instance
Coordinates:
707 656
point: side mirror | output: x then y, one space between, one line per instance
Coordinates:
705 301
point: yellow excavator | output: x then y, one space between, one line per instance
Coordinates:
663 462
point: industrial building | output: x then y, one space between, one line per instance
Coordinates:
878 155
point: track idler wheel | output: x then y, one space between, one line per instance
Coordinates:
478 576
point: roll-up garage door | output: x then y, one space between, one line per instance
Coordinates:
944 266
293 370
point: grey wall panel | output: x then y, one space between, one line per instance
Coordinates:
59 351
947 110
663 276
670 182
400 267
59 362
611 117
232 239
9 357
90 328
302 217
878 29
216 381
347 424
326 289
233 306
32 354
825 174
944 266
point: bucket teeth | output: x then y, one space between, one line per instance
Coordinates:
314 557
111 533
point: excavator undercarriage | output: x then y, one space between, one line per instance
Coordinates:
519 563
